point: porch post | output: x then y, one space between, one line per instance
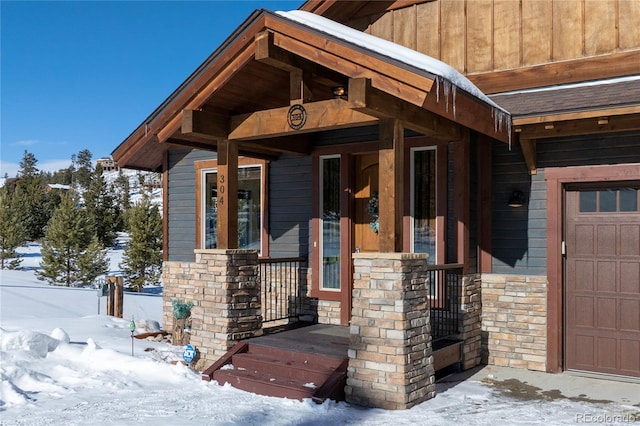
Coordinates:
461 200
227 226
390 356
391 185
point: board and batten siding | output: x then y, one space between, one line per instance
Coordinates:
520 234
477 36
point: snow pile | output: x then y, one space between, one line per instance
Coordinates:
61 364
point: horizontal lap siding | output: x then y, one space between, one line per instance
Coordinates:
290 195
181 195
519 234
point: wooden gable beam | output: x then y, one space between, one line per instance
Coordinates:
365 98
204 124
267 52
323 115
295 144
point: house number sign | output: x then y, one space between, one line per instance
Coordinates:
296 117
221 185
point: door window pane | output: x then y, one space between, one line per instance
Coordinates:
330 209
249 208
608 202
628 200
588 201
424 203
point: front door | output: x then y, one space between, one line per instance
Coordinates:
602 283
365 223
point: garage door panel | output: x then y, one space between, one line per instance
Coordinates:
629 240
606 240
630 277
630 315
584 275
585 240
606 276
584 311
585 358
606 314
630 355
607 353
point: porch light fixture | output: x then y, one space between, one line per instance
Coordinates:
339 92
516 199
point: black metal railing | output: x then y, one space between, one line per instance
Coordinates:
445 287
281 287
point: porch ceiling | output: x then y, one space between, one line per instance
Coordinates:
244 90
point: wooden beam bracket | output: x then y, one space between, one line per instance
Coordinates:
204 124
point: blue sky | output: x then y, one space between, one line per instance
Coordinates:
83 74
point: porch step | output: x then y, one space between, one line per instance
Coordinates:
280 372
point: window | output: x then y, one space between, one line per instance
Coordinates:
609 200
423 202
251 201
330 223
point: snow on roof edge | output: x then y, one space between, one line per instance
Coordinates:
389 49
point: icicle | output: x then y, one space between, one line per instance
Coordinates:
447 89
454 90
438 89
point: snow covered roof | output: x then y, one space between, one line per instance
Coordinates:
389 49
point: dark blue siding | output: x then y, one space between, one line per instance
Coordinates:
181 196
519 234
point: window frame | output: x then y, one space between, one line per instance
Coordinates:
210 166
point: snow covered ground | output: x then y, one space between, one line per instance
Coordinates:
63 364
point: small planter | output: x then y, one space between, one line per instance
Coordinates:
181 322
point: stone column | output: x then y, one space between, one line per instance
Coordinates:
390 357
224 286
471 308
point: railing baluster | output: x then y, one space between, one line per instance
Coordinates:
444 299
281 288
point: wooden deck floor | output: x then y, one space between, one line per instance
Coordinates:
322 339
333 341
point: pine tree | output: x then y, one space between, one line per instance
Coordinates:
34 205
84 169
142 258
121 189
70 250
12 232
100 205
28 167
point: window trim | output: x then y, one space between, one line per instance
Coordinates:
321 286
207 166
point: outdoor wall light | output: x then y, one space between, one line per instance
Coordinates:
339 92
516 199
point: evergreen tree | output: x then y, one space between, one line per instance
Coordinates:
142 259
28 167
84 169
121 188
12 232
100 205
70 250
33 205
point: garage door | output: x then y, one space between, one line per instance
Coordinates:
602 280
